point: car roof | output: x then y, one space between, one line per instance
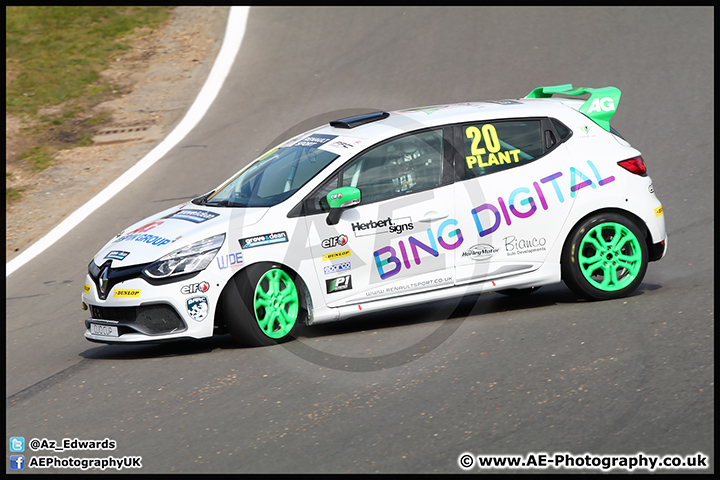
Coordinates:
389 124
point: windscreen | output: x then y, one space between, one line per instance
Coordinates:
274 177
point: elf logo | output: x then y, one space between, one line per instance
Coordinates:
339 241
604 104
195 288
339 284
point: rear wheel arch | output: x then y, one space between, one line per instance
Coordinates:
619 211
591 273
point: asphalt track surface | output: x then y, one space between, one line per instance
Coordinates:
410 390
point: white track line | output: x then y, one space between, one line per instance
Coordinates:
234 33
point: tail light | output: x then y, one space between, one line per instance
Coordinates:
634 165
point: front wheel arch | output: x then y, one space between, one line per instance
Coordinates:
235 313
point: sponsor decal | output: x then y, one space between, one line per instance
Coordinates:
604 104
400 228
586 132
515 246
504 102
86 288
414 244
341 144
136 234
150 239
197 308
520 199
480 252
229 260
658 211
139 235
126 293
195 216
336 268
201 287
339 284
373 227
314 141
334 255
339 241
426 110
266 239
147 227
435 282
117 255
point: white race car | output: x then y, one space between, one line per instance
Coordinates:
390 209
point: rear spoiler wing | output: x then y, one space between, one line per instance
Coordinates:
600 107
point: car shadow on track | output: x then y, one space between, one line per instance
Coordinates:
462 308
453 310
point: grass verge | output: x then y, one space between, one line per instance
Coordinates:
53 59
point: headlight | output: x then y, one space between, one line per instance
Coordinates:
193 258
93 269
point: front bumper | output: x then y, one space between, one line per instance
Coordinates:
129 322
153 314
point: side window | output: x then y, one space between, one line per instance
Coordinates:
562 130
401 166
494 146
404 165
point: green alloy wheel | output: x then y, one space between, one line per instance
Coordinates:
276 303
606 257
261 305
610 257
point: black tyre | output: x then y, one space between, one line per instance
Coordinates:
605 257
261 305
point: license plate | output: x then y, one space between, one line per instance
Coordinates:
103 330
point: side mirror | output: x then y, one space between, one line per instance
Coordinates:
339 199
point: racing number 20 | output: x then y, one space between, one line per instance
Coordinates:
493 146
492 142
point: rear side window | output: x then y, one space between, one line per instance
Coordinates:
495 146
562 130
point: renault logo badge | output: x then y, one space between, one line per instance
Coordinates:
104 279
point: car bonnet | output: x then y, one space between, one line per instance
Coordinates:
156 236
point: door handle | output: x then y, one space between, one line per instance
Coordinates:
432 216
